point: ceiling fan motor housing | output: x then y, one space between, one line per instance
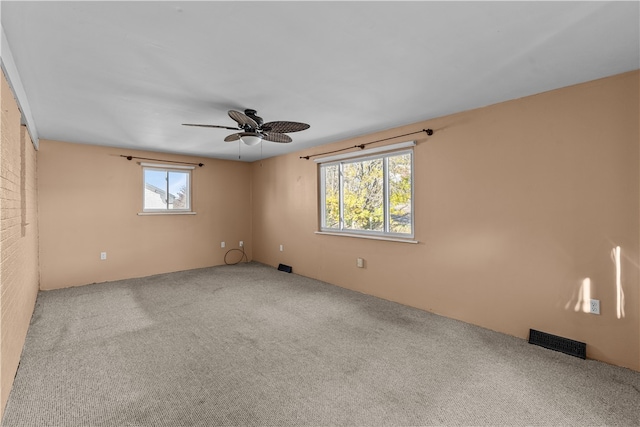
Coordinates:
253 115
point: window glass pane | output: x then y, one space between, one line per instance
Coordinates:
363 195
155 189
178 190
372 194
331 196
166 189
400 193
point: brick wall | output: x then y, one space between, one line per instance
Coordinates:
19 272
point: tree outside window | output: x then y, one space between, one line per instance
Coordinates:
372 195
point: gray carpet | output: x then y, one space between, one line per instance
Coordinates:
249 345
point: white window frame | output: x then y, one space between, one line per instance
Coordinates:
167 168
376 153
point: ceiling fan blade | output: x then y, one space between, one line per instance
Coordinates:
284 127
209 126
237 136
242 119
276 137
232 137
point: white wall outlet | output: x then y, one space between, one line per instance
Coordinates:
241 243
103 256
360 263
594 306
281 248
222 244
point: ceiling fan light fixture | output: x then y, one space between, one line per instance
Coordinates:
251 139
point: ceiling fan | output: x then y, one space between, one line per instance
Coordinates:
253 129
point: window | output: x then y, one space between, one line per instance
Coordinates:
166 189
370 195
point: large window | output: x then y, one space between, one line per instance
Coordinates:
166 189
369 195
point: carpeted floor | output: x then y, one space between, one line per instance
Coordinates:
249 345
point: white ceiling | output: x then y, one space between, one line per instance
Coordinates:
127 74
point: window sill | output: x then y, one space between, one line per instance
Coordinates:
165 213
367 236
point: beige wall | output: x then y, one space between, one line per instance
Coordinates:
18 239
89 200
516 204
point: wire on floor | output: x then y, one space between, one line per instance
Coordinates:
241 250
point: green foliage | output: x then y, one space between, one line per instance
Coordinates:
363 195
332 197
400 194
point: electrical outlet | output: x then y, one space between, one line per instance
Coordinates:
360 263
281 248
595 306
103 256
222 244
241 243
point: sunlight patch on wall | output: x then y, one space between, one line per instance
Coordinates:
583 300
615 255
584 296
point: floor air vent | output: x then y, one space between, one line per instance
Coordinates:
554 342
285 268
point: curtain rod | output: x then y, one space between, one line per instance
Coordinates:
361 146
158 160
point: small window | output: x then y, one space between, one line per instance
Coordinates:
371 195
166 189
